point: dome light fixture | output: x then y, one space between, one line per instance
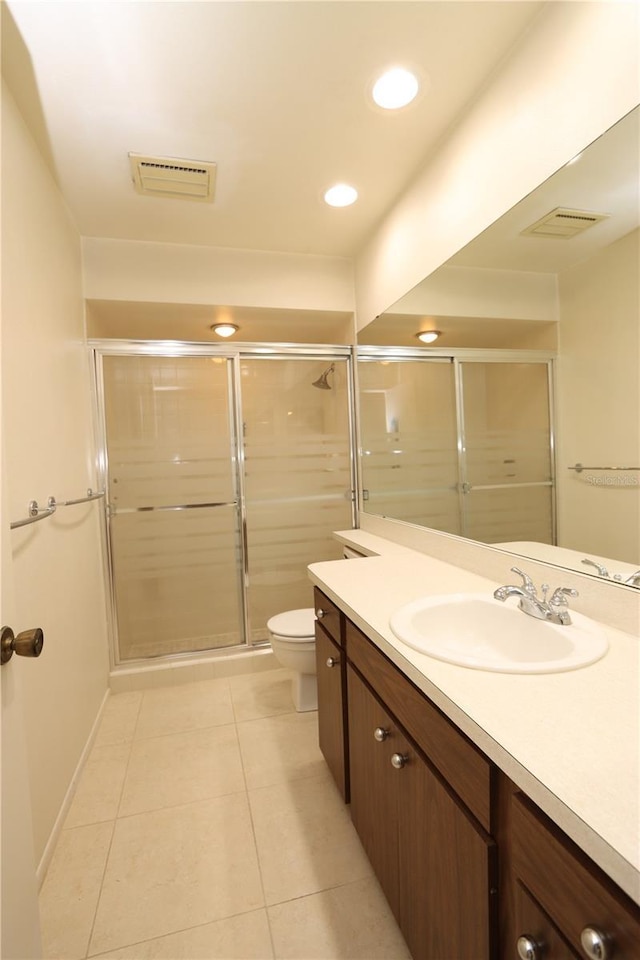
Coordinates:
341 195
395 89
224 329
428 336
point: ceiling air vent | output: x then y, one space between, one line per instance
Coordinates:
562 223
173 177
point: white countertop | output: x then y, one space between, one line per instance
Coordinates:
570 740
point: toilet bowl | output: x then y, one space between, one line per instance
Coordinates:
292 636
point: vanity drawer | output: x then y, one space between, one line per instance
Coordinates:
459 761
328 615
569 887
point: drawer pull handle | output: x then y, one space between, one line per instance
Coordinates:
380 734
320 613
595 944
398 761
332 661
528 949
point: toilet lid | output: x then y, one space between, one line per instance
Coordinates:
296 624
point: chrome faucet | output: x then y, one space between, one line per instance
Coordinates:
556 610
602 571
634 579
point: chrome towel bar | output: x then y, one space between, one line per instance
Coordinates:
579 467
40 513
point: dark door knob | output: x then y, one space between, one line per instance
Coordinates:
29 643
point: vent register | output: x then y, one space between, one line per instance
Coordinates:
173 177
563 223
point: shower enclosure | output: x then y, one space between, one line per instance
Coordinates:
463 445
226 473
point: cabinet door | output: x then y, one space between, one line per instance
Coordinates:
447 872
374 802
331 709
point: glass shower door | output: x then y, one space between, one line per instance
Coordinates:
506 465
175 535
408 427
297 477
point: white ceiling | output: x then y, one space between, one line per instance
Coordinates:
276 93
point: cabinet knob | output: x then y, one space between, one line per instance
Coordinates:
333 661
380 734
528 949
29 643
595 944
398 761
320 613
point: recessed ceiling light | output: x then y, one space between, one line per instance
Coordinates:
224 329
341 195
395 88
428 336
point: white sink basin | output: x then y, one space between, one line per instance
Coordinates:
475 630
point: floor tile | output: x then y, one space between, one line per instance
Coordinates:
262 694
71 888
351 922
283 747
188 706
177 868
306 841
182 768
245 937
119 718
98 791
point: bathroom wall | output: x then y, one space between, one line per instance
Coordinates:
598 402
543 107
57 563
175 273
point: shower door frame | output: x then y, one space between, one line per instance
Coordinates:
372 352
235 353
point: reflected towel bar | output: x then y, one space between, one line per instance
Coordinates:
579 467
39 513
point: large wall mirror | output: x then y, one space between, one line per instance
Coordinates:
519 425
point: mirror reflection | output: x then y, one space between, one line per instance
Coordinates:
519 425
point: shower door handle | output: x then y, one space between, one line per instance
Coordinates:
113 509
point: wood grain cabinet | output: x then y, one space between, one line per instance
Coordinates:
471 867
580 912
436 865
331 674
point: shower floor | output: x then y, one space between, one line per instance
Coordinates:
159 648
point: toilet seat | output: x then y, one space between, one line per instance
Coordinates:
294 625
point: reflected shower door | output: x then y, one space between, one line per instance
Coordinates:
408 428
298 477
506 452
175 540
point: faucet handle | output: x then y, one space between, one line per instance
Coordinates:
560 594
527 582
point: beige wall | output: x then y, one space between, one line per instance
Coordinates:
175 273
599 402
48 442
546 104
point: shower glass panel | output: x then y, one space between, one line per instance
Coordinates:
175 540
506 447
408 431
297 477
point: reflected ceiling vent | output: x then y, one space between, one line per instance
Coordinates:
563 223
173 177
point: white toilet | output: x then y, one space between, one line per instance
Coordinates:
293 640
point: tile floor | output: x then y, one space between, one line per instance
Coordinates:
206 826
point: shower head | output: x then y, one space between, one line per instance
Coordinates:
321 383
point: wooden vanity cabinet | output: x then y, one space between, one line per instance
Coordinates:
435 863
331 676
570 891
